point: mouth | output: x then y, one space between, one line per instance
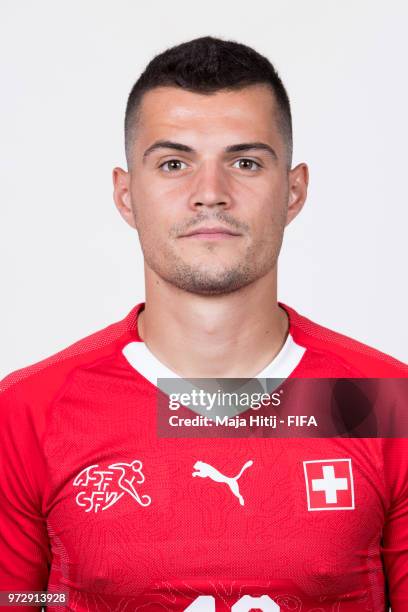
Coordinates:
211 233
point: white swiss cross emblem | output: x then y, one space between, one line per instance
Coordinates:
329 484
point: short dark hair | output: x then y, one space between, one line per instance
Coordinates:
206 65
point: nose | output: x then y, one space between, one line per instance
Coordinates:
209 187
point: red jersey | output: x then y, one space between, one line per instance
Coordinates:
93 503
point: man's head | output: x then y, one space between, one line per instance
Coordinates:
205 66
209 143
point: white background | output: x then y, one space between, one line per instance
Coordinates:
69 263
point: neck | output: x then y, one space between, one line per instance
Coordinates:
233 335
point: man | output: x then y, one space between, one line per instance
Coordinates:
94 502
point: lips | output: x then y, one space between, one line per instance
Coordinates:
219 230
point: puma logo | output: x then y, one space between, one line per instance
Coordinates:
205 470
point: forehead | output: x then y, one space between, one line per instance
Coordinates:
248 113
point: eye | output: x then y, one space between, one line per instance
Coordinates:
173 165
247 164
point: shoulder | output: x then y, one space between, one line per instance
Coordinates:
43 379
336 354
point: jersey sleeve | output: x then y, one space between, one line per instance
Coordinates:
25 555
394 545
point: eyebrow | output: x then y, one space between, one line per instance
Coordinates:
236 148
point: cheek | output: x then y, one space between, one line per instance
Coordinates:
157 201
266 193
274 205
156 188
270 223
154 220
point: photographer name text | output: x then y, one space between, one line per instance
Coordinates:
297 420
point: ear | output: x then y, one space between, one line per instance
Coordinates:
298 182
121 195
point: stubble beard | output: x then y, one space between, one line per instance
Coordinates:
257 261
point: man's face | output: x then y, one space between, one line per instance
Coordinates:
207 161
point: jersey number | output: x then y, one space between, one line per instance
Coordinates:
206 603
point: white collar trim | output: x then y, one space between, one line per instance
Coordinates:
146 363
